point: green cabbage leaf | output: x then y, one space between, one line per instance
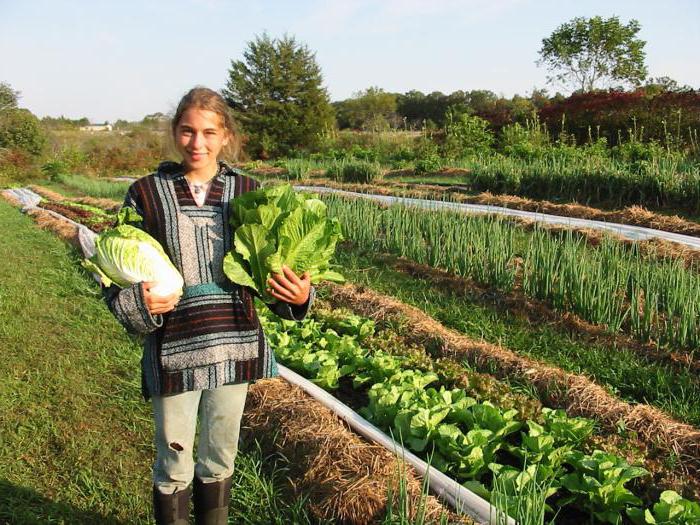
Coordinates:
126 255
276 226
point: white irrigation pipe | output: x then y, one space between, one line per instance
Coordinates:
635 233
462 500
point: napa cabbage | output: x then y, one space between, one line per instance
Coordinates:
126 255
276 226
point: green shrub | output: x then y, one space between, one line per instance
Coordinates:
53 169
20 130
530 141
334 171
361 171
428 158
466 135
428 164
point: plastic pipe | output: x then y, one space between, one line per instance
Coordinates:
461 499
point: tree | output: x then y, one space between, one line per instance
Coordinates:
20 130
8 96
585 52
276 93
372 109
654 86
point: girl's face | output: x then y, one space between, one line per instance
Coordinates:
199 138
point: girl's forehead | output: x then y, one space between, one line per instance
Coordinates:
201 118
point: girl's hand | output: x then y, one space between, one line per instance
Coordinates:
158 304
289 287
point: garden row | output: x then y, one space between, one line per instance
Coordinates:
664 182
611 285
535 455
451 190
635 371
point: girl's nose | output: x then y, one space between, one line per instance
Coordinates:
197 140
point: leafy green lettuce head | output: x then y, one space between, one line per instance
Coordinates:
126 255
274 227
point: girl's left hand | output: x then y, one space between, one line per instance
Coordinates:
289 287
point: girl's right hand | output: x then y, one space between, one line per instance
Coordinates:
158 304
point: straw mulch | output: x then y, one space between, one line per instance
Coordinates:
11 199
345 477
576 393
104 204
63 229
47 193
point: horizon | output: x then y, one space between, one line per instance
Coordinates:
109 62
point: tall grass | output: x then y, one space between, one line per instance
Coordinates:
610 285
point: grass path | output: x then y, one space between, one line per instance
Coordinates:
75 434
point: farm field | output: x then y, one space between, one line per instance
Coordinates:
630 365
77 385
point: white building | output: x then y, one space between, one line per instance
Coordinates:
96 127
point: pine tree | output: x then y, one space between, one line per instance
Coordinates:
276 93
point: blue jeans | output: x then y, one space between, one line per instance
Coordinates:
219 412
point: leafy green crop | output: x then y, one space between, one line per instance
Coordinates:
671 509
598 484
274 227
516 464
126 255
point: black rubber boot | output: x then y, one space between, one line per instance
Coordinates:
172 509
211 502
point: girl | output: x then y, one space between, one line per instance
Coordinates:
201 348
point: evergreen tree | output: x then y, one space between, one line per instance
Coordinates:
276 93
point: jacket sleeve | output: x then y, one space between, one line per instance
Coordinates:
128 304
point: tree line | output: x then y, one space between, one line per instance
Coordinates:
276 92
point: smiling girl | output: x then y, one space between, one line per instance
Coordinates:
202 348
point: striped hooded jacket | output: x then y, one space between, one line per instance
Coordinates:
213 337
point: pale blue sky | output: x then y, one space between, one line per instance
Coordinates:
124 59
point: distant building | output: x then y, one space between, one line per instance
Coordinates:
96 127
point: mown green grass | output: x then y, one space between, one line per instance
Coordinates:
75 434
621 370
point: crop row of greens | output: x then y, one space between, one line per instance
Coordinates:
93 217
612 285
476 442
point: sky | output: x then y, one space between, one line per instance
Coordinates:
109 60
